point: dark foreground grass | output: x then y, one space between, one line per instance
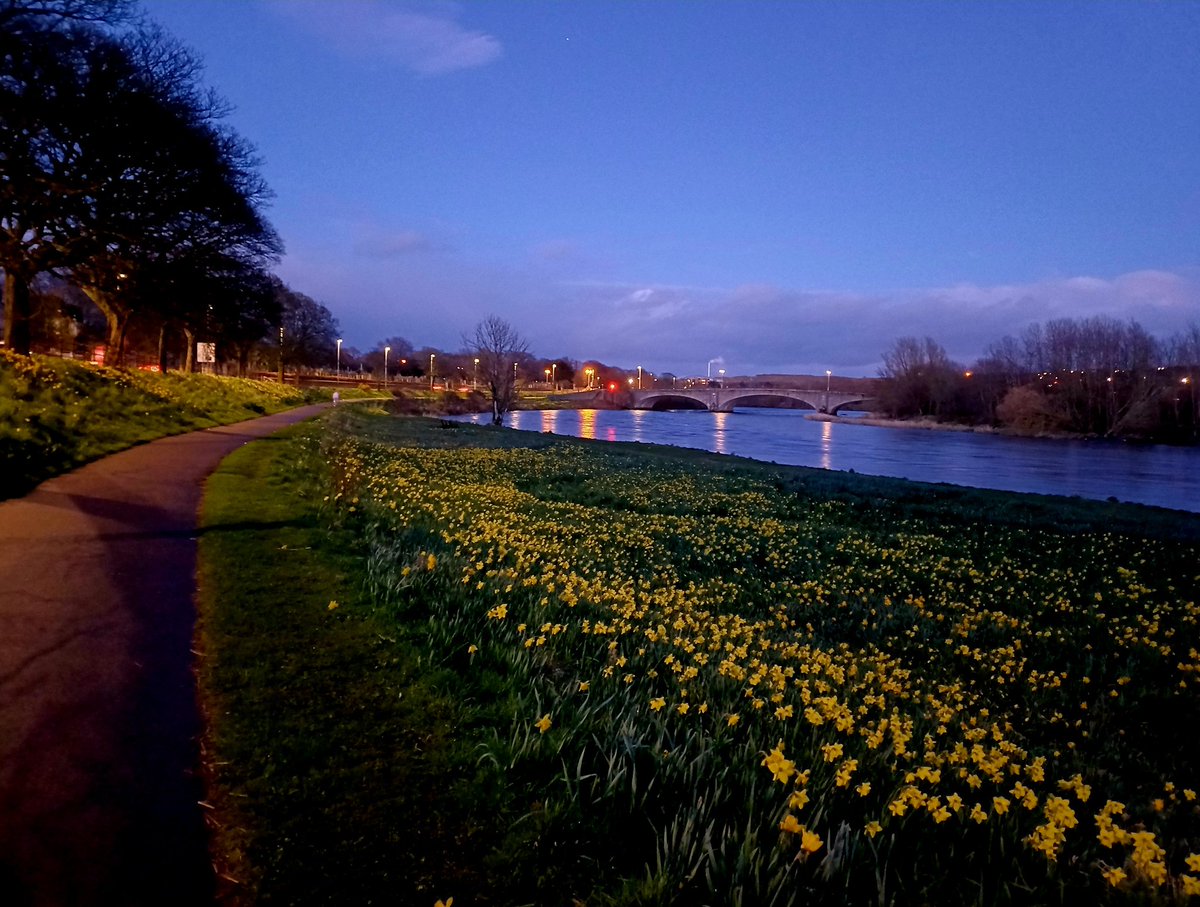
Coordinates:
334 744
505 706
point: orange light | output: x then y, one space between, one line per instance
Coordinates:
612 387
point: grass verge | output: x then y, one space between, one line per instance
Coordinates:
333 747
56 414
563 672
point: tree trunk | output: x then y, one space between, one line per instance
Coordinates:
189 358
162 348
117 319
17 313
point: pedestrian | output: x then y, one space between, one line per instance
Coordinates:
337 397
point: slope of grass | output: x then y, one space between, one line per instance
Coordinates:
57 414
654 676
334 742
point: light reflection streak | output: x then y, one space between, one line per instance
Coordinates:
549 420
639 419
720 442
826 445
587 424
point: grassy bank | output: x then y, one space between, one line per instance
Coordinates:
616 674
57 414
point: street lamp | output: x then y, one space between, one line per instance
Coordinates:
721 372
475 378
554 374
547 376
587 373
432 356
339 359
639 377
386 350
828 378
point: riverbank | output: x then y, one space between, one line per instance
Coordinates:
630 674
934 425
57 414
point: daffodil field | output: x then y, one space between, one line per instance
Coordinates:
738 684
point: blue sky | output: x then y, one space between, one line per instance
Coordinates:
785 185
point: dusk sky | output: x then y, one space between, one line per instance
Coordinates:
786 186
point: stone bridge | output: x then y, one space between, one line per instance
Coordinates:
724 399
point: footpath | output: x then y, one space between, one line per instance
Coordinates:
99 790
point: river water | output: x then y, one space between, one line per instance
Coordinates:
1143 474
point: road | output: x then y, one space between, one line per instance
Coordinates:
98 717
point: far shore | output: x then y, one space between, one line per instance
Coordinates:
933 425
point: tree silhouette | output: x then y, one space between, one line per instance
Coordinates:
498 346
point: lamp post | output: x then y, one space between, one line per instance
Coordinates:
721 372
386 350
475 377
588 373
339 359
828 378
554 374
547 376
432 356
639 377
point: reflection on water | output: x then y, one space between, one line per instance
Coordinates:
639 420
720 442
1164 476
587 424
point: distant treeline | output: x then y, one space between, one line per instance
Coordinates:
1093 376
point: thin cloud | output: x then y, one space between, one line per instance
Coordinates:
555 250
392 245
764 328
430 42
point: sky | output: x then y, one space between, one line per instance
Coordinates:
780 186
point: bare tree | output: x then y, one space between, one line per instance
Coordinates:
920 378
25 16
498 346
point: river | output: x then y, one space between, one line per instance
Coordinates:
1143 474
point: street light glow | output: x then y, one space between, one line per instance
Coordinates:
339 359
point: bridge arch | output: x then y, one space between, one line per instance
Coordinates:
668 400
849 404
794 400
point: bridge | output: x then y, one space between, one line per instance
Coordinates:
724 399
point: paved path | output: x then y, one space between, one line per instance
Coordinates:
98 716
